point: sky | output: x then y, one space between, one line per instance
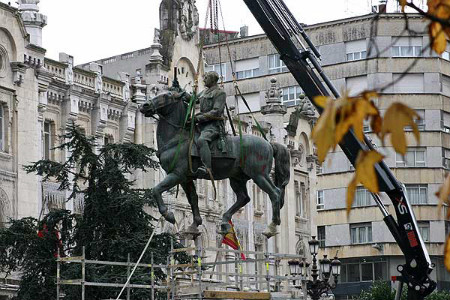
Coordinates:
93 29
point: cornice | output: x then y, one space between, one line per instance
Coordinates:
321 25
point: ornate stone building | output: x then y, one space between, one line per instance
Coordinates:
39 97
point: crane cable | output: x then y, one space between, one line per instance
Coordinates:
237 91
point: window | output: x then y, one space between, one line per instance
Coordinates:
321 236
298 199
362 197
406 51
221 70
353 273
291 95
356 50
356 55
445 55
447 228
47 140
409 83
320 198
446 158
364 270
407 47
276 65
2 128
417 193
419 122
445 119
108 139
247 74
356 85
361 233
415 157
424 230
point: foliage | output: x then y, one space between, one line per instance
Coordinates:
441 295
343 114
381 290
31 247
365 173
114 223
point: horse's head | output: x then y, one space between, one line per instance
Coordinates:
161 104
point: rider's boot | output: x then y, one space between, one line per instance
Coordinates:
205 155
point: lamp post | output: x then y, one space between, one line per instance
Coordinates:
325 268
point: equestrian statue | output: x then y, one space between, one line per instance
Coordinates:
200 149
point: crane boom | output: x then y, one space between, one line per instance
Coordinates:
286 34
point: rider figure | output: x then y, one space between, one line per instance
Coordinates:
212 107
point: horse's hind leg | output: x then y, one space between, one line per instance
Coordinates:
169 182
239 187
266 184
191 194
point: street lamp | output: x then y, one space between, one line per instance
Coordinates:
317 286
313 246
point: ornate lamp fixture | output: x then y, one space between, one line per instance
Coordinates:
325 269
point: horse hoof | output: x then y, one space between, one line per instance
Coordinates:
170 217
192 229
271 231
225 228
191 232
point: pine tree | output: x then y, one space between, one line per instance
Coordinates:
114 223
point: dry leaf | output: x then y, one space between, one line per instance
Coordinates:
321 101
364 174
443 194
447 254
397 117
439 9
438 38
338 117
324 131
352 114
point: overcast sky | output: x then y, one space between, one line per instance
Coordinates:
94 29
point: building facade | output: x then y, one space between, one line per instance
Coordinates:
40 97
357 57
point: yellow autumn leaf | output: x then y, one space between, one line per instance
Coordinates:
321 101
444 193
438 39
364 174
323 133
403 4
447 254
396 118
357 110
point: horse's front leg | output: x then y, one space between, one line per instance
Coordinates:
191 195
169 182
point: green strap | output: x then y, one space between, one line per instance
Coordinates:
188 114
241 143
250 111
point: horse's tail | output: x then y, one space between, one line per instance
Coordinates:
282 168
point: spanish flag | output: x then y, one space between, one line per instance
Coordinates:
231 240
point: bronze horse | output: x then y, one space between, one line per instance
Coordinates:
255 163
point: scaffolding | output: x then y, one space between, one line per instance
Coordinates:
229 276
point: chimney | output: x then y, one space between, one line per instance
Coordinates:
244 31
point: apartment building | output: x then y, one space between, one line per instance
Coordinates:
361 53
